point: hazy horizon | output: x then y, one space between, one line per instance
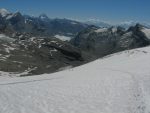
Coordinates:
109 11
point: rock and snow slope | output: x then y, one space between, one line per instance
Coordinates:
146 31
118 83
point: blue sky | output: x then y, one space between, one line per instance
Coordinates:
113 11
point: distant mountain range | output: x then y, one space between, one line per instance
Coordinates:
126 24
35 45
97 22
39 26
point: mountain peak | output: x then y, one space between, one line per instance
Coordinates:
43 16
138 25
136 28
4 12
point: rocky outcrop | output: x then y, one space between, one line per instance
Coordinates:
104 41
37 55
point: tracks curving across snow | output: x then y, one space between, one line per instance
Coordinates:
116 84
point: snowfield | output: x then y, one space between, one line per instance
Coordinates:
118 83
63 38
101 30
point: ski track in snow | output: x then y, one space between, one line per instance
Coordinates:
118 83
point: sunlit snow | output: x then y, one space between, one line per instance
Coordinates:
147 32
63 38
118 83
101 30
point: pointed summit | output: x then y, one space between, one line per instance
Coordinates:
136 28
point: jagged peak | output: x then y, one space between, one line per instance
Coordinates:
137 27
17 13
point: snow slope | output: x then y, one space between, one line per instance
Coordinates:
118 83
101 30
63 38
146 31
6 38
4 12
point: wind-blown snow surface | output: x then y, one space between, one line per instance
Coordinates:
119 83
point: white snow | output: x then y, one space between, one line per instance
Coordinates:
9 16
65 68
101 30
53 41
114 29
42 17
63 38
27 20
118 83
15 74
6 38
127 34
4 57
51 51
17 62
39 46
8 48
4 12
147 32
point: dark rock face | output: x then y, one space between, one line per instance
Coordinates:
38 56
71 52
16 23
104 41
2 23
27 43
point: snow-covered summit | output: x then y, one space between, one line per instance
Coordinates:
4 12
43 17
118 83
